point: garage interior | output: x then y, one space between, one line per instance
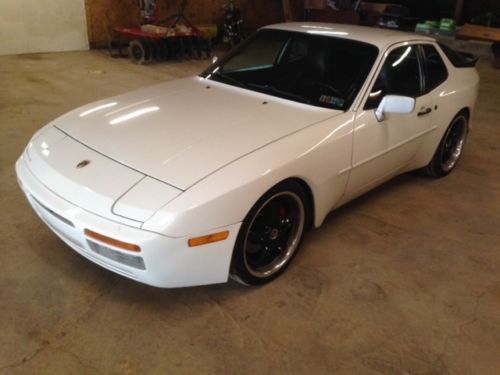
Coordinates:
404 280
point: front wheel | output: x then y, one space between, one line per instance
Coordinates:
450 148
270 235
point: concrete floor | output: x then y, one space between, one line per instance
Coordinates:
405 280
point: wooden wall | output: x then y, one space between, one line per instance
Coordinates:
104 15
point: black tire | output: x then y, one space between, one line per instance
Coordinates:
450 148
138 52
270 235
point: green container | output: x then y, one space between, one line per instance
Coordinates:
423 28
432 24
447 24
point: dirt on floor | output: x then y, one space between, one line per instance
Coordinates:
405 280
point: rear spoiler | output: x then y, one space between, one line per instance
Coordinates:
459 59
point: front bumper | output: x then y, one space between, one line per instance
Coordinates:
163 261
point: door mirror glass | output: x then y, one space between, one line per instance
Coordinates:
394 104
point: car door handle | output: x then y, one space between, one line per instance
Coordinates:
424 111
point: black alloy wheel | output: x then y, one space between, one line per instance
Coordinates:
270 235
450 148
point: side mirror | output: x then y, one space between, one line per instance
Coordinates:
214 59
394 104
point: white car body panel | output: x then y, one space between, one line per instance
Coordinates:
144 199
189 136
383 148
169 262
382 38
459 91
52 157
327 144
191 157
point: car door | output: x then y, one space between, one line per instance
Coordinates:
382 148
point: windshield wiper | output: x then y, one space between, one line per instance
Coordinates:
269 89
227 77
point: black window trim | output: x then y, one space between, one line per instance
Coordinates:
427 80
422 67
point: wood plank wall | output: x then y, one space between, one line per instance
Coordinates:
104 15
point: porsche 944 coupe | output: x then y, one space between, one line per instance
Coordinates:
196 180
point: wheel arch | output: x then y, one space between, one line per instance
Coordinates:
310 203
428 150
466 111
439 167
310 208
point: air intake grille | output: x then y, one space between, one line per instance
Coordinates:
56 215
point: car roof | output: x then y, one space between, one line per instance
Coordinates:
373 35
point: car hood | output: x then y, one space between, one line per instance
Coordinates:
181 131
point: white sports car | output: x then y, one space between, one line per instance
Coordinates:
192 181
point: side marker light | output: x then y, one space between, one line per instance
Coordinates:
214 237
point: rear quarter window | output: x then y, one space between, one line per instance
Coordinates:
436 69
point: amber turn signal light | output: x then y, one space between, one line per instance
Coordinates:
214 237
111 241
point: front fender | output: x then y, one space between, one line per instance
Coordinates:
320 155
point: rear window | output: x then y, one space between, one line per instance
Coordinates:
459 59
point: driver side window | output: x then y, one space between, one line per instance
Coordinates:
400 75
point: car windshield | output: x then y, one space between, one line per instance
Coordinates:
319 70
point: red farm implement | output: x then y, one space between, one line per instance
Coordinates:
160 39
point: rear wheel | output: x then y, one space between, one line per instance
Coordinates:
270 235
450 148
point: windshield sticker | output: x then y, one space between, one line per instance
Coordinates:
332 100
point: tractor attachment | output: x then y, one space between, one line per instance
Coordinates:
158 40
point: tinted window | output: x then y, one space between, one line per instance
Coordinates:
320 70
459 59
400 75
296 51
258 55
436 69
